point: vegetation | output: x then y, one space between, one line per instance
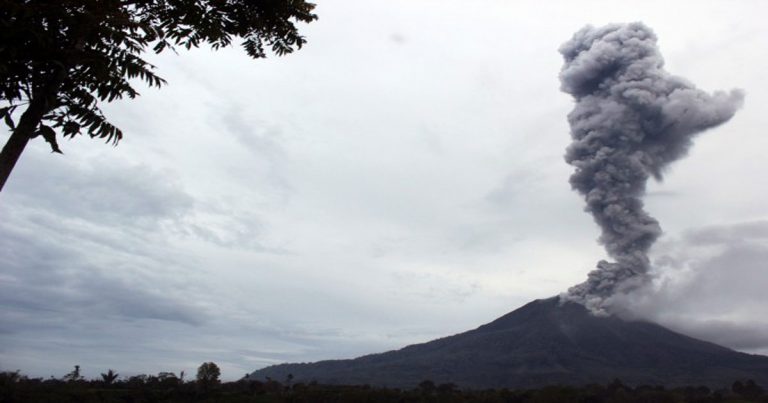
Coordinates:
166 387
60 58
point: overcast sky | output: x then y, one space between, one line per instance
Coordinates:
399 179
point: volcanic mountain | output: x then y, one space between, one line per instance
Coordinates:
542 343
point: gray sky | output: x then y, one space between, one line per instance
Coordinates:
401 178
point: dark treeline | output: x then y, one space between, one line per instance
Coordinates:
167 387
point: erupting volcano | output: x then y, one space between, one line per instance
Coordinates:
630 121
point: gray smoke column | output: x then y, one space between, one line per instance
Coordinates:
631 119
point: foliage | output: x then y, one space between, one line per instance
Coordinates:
208 373
74 376
109 377
60 58
15 387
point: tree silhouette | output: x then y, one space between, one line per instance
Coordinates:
749 389
208 373
427 386
59 59
109 377
74 376
15 387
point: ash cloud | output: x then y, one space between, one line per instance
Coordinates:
709 283
630 121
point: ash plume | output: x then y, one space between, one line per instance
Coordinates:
631 119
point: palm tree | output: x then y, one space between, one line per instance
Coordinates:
109 377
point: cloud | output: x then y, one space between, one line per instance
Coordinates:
45 276
710 283
98 270
264 143
84 247
103 190
517 186
435 287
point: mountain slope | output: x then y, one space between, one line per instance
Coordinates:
543 342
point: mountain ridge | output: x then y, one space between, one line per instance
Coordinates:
541 343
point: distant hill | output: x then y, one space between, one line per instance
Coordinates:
542 343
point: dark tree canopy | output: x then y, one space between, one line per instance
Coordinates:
208 373
60 58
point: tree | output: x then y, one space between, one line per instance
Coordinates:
749 389
74 376
109 377
60 58
208 374
427 386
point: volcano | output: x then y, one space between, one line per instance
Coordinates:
545 342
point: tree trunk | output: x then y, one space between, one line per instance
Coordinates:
20 136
